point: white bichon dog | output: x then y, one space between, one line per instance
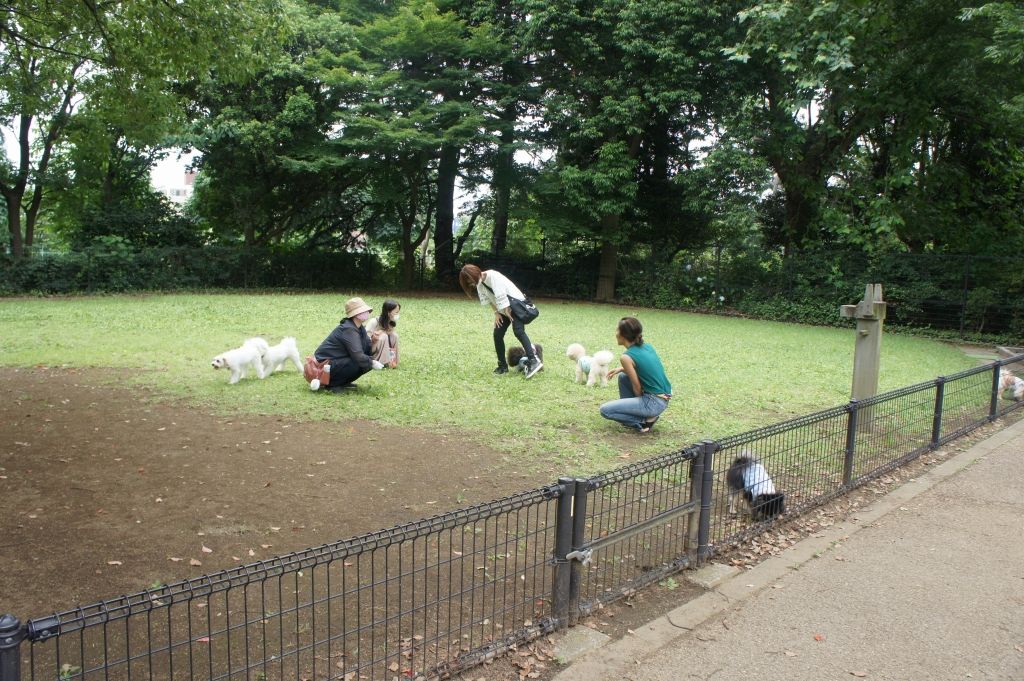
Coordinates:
277 355
1008 381
241 359
592 369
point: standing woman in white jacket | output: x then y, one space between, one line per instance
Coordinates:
495 289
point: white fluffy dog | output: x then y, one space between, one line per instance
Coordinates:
277 355
1007 381
592 369
241 359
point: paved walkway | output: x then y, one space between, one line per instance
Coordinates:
926 584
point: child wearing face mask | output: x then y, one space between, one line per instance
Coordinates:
383 337
347 348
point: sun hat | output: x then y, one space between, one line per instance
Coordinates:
356 305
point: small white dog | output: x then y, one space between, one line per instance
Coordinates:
277 355
1007 381
241 359
592 369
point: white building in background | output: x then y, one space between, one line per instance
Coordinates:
173 177
181 191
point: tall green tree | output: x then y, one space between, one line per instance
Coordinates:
886 82
628 87
56 55
271 171
419 102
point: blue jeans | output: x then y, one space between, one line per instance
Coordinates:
630 410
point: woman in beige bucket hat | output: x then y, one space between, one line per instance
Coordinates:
347 348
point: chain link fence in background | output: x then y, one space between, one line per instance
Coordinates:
957 296
430 598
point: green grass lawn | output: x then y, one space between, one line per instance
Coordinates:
729 375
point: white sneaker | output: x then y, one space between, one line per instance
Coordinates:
314 384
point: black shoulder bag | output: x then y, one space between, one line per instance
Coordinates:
523 310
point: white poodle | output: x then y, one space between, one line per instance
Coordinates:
277 355
241 359
593 369
1007 381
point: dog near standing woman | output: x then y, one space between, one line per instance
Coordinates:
510 305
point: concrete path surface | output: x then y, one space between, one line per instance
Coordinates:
927 583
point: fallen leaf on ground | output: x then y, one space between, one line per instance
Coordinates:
114 562
819 637
194 562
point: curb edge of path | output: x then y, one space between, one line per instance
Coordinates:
614 659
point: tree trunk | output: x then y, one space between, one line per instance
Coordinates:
444 253
14 225
610 242
609 260
800 210
408 264
503 165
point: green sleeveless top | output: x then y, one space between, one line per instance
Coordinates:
649 369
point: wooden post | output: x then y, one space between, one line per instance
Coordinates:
870 314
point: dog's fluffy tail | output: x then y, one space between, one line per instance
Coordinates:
603 357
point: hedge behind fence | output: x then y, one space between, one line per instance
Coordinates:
116 268
977 297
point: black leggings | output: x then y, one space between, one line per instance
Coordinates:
519 329
344 375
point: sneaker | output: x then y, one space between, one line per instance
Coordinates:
501 369
314 384
533 367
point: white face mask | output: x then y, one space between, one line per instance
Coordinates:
396 318
363 316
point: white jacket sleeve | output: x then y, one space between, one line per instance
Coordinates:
503 289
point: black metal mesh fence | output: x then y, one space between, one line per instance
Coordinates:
429 598
638 522
400 602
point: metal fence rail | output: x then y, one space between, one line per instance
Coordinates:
430 598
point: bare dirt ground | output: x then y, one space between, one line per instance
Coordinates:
104 491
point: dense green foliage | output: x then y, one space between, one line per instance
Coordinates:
625 135
728 375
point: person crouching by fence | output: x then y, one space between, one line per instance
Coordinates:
347 348
511 308
383 337
644 389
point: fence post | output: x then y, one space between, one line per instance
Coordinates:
12 633
696 485
579 536
704 523
851 441
993 407
563 545
940 392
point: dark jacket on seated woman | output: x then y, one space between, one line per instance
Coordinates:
347 348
